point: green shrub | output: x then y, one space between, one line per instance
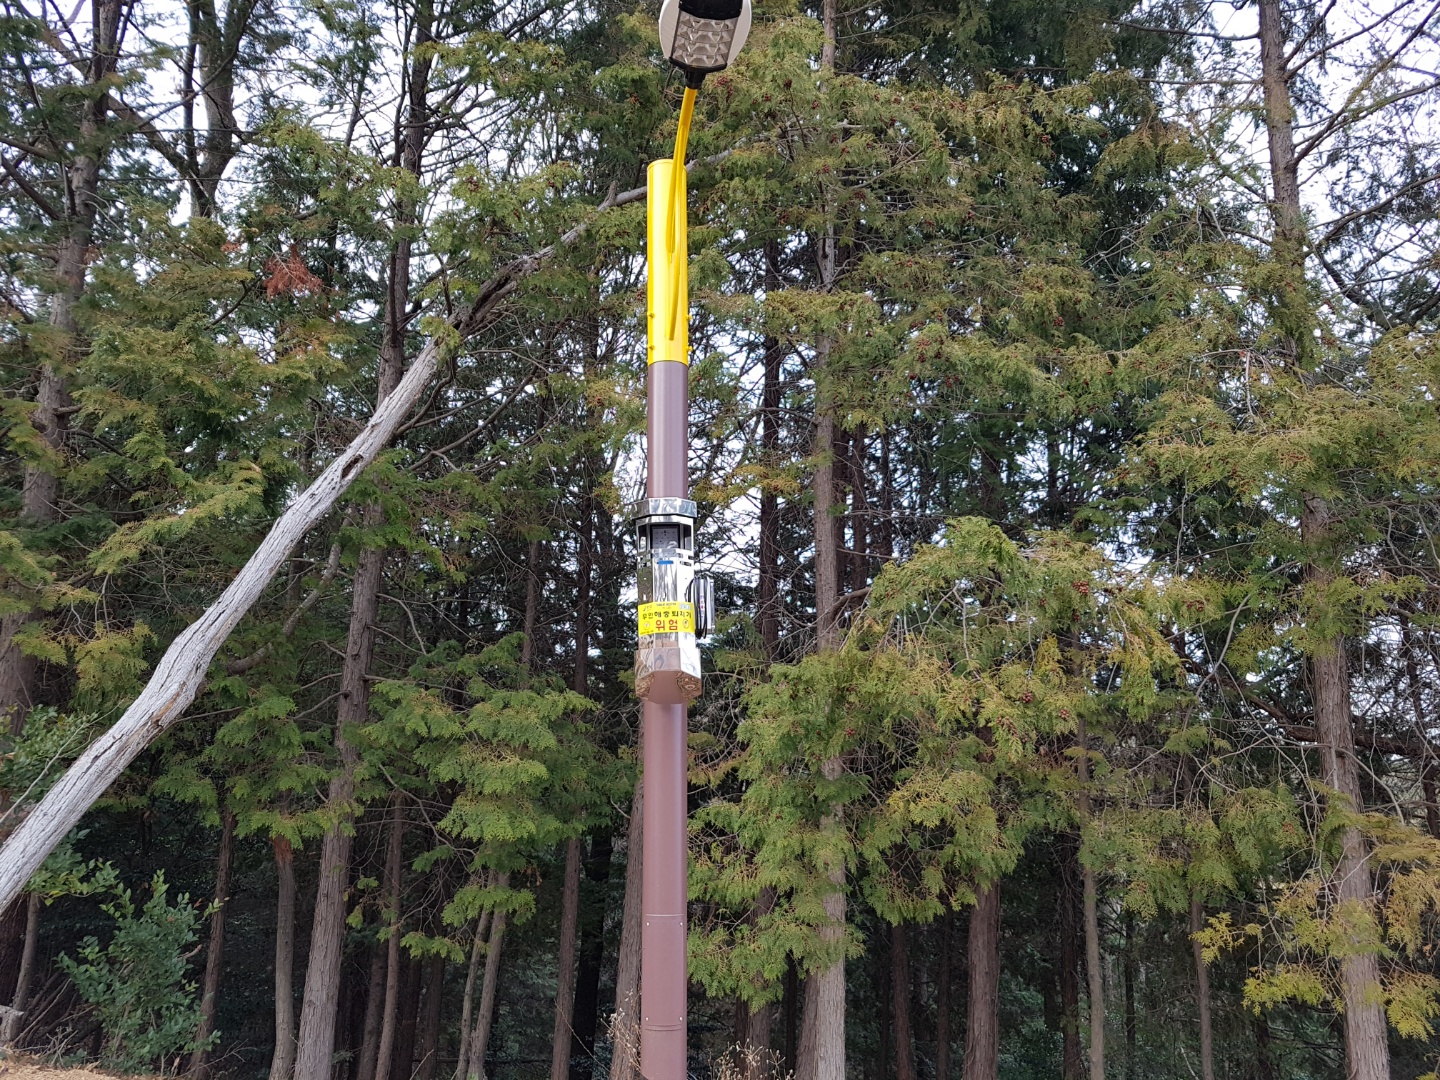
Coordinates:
149 1011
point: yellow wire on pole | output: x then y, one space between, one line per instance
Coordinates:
682 136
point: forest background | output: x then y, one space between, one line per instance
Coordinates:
1065 436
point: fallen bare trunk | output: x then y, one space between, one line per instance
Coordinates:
180 674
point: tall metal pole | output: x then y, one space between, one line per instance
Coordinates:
676 607
663 977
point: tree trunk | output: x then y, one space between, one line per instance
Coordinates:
1367 1050
625 1026
369 1052
1417 711
1432 802
532 604
432 1001
754 1036
40 491
821 1053
467 1001
15 1017
217 44
316 1041
390 1012
1131 1064
792 1015
214 956
480 1038
942 996
886 1019
767 599
317 1037
1071 1068
592 955
564 1034
402 1066
565 974
1202 989
1094 974
900 991
1264 1064
282 1061
982 1026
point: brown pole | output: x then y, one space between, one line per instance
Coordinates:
663 978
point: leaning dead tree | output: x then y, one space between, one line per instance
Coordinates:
181 673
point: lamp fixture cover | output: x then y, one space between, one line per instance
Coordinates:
701 36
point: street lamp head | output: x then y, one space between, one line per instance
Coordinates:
701 36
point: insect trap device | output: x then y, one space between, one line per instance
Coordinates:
677 607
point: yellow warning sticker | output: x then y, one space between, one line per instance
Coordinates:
672 618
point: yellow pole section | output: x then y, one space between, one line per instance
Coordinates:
666 264
682 137
676 218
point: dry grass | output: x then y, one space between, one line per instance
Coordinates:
750 1063
20 1067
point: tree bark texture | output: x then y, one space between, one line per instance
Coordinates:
1202 989
625 1059
946 929
1094 973
1428 765
791 1002
316 1041
217 44
282 1061
40 491
15 1017
821 1054
1071 1067
900 994
592 955
1367 1051
982 1026
408 1030
215 954
1090 917
467 999
758 1020
480 1037
1131 1033
432 1001
369 1051
565 966
767 598
390 1011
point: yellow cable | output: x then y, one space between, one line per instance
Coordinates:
677 163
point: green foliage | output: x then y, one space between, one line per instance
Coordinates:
137 984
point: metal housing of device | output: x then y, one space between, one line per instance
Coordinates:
667 658
703 36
